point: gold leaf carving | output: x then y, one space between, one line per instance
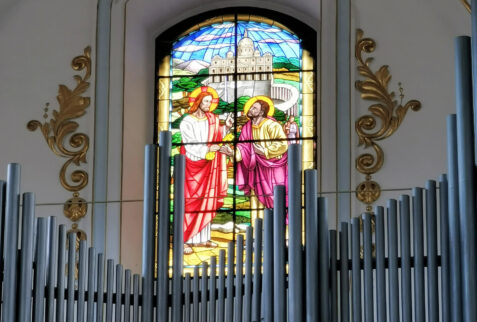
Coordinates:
72 105
75 208
467 6
386 115
60 135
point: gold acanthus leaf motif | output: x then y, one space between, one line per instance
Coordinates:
387 109
61 125
466 5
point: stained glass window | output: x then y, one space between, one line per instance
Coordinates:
235 91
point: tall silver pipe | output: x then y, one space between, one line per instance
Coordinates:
406 291
380 269
150 157
324 257
178 250
418 238
100 288
50 277
229 300
311 244
344 273
295 276
466 162
195 295
455 269
204 289
26 260
10 242
80 307
187 308
221 291
247 299
333 276
136 278
163 223
3 190
445 249
474 71
238 304
356 269
213 289
279 303
70 300
268 269
127 295
119 287
368 269
257 271
91 283
393 276
60 272
40 272
431 233
109 289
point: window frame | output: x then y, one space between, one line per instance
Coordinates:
164 45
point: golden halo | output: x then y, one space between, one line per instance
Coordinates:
252 101
208 89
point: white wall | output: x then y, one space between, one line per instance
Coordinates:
39 39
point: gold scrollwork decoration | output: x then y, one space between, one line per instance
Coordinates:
368 191
466 5
60 129
386 109
75 208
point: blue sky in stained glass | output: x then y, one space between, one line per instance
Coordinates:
218 39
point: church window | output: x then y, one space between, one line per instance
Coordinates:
220 124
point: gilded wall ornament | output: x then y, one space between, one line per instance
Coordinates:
386 116
467 6
60 130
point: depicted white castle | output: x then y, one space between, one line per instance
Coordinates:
254 73
249 61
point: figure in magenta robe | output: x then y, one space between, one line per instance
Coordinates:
262 164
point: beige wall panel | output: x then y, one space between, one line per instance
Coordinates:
131 232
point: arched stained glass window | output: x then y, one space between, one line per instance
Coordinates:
235 90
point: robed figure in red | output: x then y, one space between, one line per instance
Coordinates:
205 172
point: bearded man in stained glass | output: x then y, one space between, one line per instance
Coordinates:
261 155
205 171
